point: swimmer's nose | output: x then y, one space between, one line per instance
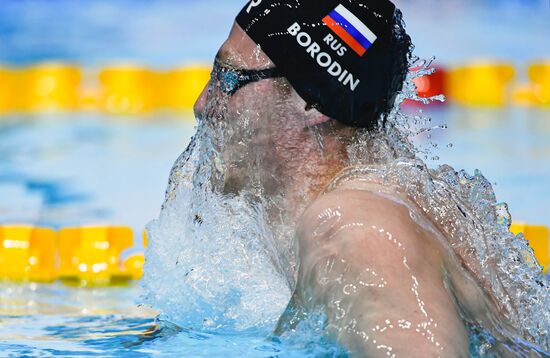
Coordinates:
198 108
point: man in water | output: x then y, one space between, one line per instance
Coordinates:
293 88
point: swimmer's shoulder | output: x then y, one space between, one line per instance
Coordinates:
354 202
363 216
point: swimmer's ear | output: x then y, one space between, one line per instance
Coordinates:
321 118
314 117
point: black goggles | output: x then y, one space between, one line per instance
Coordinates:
231 79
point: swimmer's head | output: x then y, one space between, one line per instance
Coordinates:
346 58
263 131
278 103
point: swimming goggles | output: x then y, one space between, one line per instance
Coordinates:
231 79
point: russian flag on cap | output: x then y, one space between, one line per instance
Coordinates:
350 29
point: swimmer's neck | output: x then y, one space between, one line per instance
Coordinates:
305 187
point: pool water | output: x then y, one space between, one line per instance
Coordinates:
47 320
54 320
510 146
39 320
77 169
81 169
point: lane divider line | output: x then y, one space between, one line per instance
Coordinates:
135 90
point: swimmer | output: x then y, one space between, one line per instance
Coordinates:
299 80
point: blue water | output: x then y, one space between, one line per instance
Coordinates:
510 146
54 320
76 169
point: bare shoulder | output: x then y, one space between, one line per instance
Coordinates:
376 206
372 220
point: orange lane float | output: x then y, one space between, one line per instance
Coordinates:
431 85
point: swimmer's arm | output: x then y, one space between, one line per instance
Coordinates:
379 281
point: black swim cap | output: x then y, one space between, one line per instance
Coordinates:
337 54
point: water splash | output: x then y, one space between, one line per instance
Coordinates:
478 229
466 210
206 263
222 255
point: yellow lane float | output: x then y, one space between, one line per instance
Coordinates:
131 90
133 265
27 253
524 94
91 255
539 73
539 241
182 86
7 89
144 238
480 84
49 87
128 90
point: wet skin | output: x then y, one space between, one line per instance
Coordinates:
380 276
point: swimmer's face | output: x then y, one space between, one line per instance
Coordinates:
238 52
259 128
